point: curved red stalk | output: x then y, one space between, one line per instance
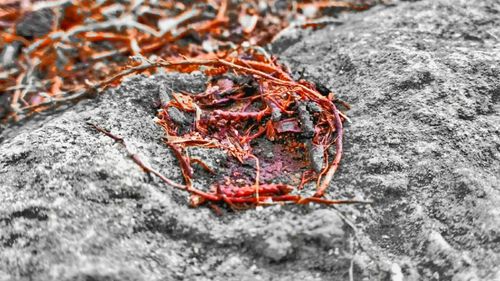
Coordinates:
338 154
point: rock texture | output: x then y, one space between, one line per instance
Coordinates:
424 142
424 145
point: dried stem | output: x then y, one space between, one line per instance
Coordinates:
136 158
338 154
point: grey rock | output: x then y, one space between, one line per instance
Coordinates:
306 121
75 207
165 94
179 117
424 140
313 107
35 24
316 156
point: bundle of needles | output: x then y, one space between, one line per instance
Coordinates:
55 52
251 97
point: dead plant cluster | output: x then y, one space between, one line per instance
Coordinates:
55 52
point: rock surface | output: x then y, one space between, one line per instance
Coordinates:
424 145
424 142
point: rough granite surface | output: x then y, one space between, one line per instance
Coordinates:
423 79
